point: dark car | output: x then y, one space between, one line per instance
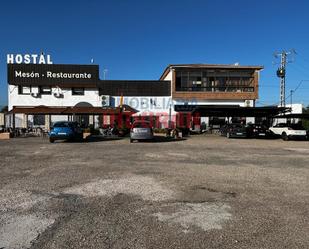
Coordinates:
65 130
258 131
235 130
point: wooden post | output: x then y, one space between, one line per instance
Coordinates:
47 122
26 116
24 121
13 121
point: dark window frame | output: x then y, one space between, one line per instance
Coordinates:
74 93
21 92
214 81
39 120
44 92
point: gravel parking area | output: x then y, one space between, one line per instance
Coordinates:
201 192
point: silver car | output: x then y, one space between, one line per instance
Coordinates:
141 130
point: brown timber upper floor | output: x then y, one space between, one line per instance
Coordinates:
214 95
202 95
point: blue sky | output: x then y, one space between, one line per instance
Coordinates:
137 39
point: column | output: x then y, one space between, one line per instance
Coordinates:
47 122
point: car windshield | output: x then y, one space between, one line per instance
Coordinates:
62 124
237 126
141 125
297 127
281 125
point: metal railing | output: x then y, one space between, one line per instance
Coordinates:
230 89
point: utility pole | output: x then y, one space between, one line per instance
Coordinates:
105 73
281 72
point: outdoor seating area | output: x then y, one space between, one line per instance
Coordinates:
25 132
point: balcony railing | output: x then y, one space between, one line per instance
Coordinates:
230 89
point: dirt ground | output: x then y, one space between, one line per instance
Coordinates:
201 192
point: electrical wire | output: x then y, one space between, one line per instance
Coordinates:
295 89
300 69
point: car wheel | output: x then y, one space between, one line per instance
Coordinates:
51 140
285 136
131 140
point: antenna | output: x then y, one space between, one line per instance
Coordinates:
105 73
281 72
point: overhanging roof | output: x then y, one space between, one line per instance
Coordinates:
208 66
134 87
71 110
295 115
231 111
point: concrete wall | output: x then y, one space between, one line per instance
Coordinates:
169 77
296 109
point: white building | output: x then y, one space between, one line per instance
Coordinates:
295 109
213 85
75 92
40 94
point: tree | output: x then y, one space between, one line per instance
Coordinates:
306 109
305 122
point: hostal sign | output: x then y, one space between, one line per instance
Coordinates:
35 69
28 59
51 74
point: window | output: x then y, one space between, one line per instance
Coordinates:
178 83
184 80
215 80
61 124
25 90
45 90
78 91
141 124
38 120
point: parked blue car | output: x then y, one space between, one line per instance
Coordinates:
65 130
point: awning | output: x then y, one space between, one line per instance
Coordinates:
71 110
231 111
295 115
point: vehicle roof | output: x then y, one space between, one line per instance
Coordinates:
141 121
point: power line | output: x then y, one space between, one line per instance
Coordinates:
294 90
300 69
303 58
